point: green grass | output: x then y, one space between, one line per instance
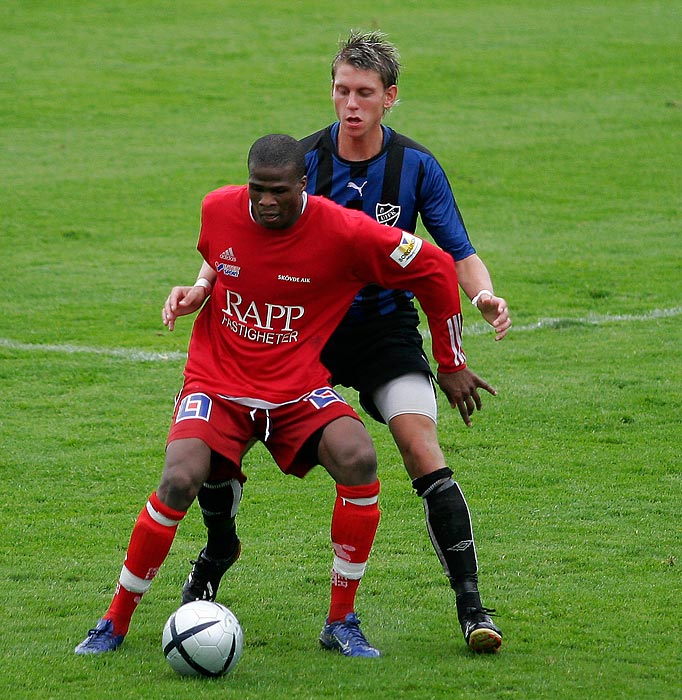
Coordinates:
561 126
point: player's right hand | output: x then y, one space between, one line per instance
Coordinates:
180 302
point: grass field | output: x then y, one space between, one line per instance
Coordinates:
560 124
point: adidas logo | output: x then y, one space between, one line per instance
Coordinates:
228 255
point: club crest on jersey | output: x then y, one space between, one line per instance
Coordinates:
387 214
406 252
321 398
194 406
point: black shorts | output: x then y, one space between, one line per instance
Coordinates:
366 354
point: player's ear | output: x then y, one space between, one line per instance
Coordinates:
304 182
390 95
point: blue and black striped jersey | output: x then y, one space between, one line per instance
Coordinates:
399 184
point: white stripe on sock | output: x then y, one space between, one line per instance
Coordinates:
159 517
133 583
361 501
349 569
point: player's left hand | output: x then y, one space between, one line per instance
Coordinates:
461 389
496 312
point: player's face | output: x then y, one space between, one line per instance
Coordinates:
360 99
276 196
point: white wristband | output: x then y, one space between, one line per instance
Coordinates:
203 282
474 301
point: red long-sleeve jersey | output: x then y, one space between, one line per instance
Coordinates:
279 294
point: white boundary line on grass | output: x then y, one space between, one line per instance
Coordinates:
481 328
473 329
68 349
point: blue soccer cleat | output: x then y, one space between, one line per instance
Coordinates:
347 637
100 639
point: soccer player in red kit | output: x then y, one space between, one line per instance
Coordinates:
289 266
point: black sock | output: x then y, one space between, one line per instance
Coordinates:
449 526
219 503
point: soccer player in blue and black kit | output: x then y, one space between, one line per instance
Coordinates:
362 164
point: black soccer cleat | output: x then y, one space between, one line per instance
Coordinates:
480 632
204 578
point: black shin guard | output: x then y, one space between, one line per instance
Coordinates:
219 502
449 525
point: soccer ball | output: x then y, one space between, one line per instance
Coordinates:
202 638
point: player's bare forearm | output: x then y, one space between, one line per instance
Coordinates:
495 311
207 272
461 389
477 284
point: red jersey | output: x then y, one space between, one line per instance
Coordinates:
280 293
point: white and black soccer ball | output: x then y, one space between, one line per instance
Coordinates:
202 638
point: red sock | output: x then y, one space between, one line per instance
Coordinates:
149 545
354 525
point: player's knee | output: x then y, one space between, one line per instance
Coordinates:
353 463
178 488
347 453
364 463
418 444
423 454
180 483
356 464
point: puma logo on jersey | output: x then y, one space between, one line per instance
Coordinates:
357 188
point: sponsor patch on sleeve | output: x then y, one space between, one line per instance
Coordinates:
406 252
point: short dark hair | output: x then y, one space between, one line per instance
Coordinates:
277 150
370 51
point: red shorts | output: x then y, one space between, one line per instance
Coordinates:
229 428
